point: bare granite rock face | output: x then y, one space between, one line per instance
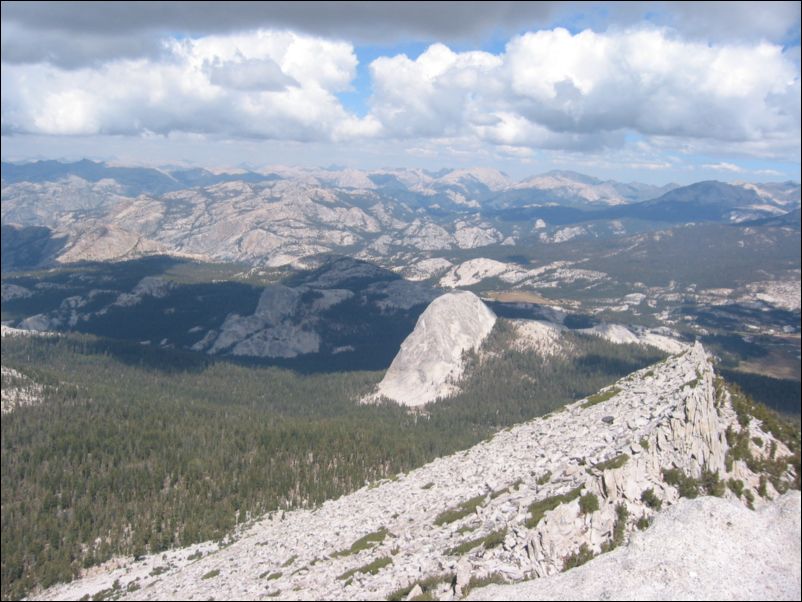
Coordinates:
701 549
475 270
430 360
18 389
109 243
515 507
271 331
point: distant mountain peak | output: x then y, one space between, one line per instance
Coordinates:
493 179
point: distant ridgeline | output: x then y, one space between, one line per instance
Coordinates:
185 257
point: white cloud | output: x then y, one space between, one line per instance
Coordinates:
724 166
547 90
433 95
261 84
554 89
330 65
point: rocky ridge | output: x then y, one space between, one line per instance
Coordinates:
544 335
514 507
701 549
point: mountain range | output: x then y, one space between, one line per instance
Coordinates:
613 252
214 345
281 216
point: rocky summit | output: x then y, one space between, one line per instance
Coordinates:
532 501
430 360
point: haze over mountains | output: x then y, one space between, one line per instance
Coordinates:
281 216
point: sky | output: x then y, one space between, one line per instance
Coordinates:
656 92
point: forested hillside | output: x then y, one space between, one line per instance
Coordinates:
134 449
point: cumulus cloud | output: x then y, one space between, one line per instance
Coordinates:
550 89
652 83
260 84
433 95
308 60
554 89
